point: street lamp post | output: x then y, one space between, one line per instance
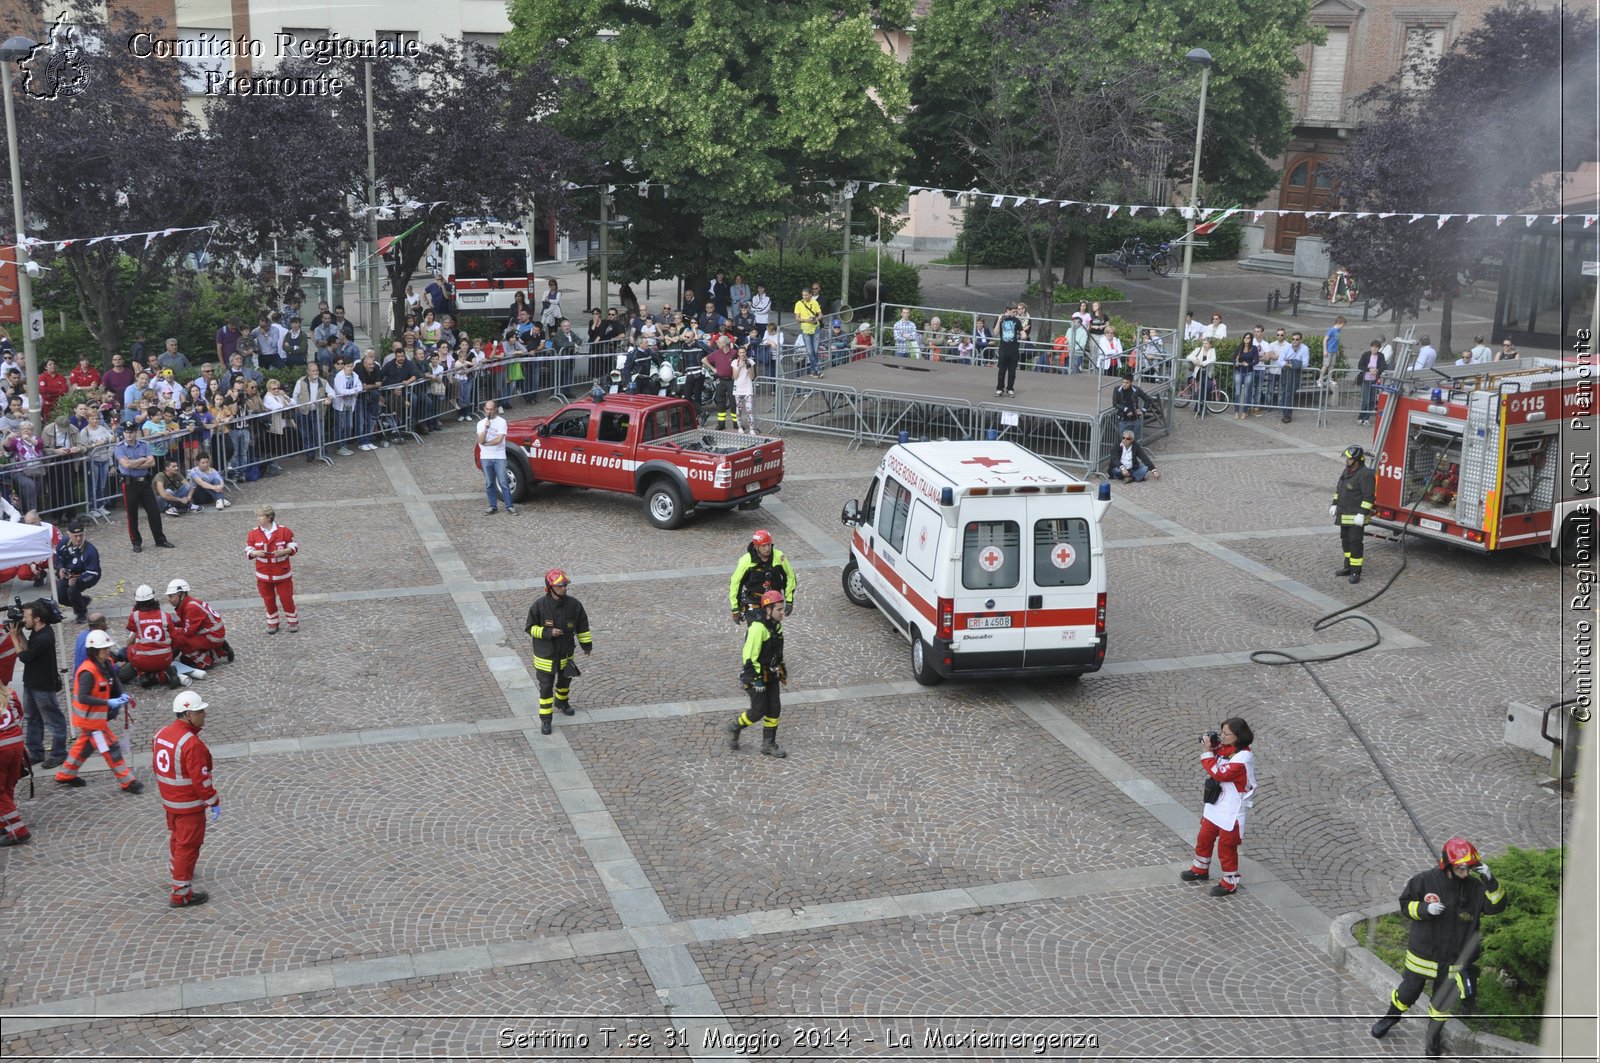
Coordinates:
1203 57
15 50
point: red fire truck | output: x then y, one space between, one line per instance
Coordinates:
1471 454
489 264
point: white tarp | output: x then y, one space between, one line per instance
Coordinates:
24 544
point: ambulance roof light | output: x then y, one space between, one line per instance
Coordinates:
1105 492
947 496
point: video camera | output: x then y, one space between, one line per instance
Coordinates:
44 608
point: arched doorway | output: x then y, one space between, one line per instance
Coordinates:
1307 185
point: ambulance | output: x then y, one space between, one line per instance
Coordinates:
488 263
987 558
1471 455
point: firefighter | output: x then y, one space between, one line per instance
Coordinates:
13 762
1444 905
149 653
761 568
97 699
556 623
182 766
762 674
1352 508
270 545
198 633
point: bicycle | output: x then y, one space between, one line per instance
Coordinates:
1157 257
1217 400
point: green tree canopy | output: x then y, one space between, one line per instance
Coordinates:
739 108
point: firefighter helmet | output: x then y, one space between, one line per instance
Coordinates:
762 537
144 593
555 578
98 640
665 372
1458 852
1354 452
771 598
178 586
188 701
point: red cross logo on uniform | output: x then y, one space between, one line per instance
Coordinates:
987 463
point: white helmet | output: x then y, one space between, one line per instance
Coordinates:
188 701
622 362
178 586
98 640
143 593
666 372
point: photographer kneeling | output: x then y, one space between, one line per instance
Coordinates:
1230 768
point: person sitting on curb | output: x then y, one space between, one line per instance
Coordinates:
1130 462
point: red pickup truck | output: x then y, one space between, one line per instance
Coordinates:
647 445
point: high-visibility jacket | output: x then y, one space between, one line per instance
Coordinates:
271 549
151 648
753 576
90 713
182 766
1450 937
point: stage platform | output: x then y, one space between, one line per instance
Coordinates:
1063 417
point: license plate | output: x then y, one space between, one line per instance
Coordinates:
988 621
752 487
472 298
1431 525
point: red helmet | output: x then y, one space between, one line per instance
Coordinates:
555 578
1458 852
772 598
762 537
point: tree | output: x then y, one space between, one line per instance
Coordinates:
450 129
1253 44
1064 119
1496 117
742 111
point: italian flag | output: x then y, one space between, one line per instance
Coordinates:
1213 219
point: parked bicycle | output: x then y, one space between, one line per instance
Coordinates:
1158 257
1216 397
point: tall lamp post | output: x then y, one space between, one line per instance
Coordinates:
1203 57
15 50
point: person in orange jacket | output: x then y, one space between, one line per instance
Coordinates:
97 699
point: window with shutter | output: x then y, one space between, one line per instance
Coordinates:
1325 101
1424 46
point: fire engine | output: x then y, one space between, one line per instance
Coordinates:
488 264
1471 454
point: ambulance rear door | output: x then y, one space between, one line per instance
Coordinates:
1062 581
990 604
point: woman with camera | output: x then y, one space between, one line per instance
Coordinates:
1230 770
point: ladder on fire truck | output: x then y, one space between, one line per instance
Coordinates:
1397 382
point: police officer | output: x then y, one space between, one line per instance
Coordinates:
77 569
1352 508
761 568
1444 905
556 623
136 463
761 675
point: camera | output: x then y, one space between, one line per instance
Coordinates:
45 609
14 613
1215 739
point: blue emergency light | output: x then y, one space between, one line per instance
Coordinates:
1105 492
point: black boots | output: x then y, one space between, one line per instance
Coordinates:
1345 571
1355 575
1385 1024
1189 874
1433 1048
769 743
732 731
545 724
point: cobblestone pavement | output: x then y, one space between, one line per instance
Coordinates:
405 866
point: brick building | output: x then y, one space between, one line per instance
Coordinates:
1367 44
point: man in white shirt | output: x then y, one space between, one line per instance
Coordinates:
492 457
1272 352
346 395
1295 358
1193 331
1427 354
1481 351
268 336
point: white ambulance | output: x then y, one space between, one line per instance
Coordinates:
986 557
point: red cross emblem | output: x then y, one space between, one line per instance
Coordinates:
1063 556
990 559
922 540
472 264
987 463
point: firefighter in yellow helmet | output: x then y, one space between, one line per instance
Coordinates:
762 674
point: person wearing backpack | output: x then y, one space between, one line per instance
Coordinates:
1009 334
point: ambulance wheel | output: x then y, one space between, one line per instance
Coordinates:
855 585
519 476
922 662
664 506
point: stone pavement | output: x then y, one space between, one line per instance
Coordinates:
405 867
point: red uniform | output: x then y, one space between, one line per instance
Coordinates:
150 651
8 660
270 548
28 573
198 633
84 377
13 760
1222 821
182 767
91 719
51 387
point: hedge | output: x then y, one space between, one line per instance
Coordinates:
901 282
997 239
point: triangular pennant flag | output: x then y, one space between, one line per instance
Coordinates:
1416 218
1111 211
1255 216
1132 210
1442 219
1473 217
1557 219
873 186
1162 211
1313 214
96 240
1363 214
120 239
1187 212
1386 214
150 238
1337 214
1020 201
998 201
1588 220
911 191
1529 219
1500 219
